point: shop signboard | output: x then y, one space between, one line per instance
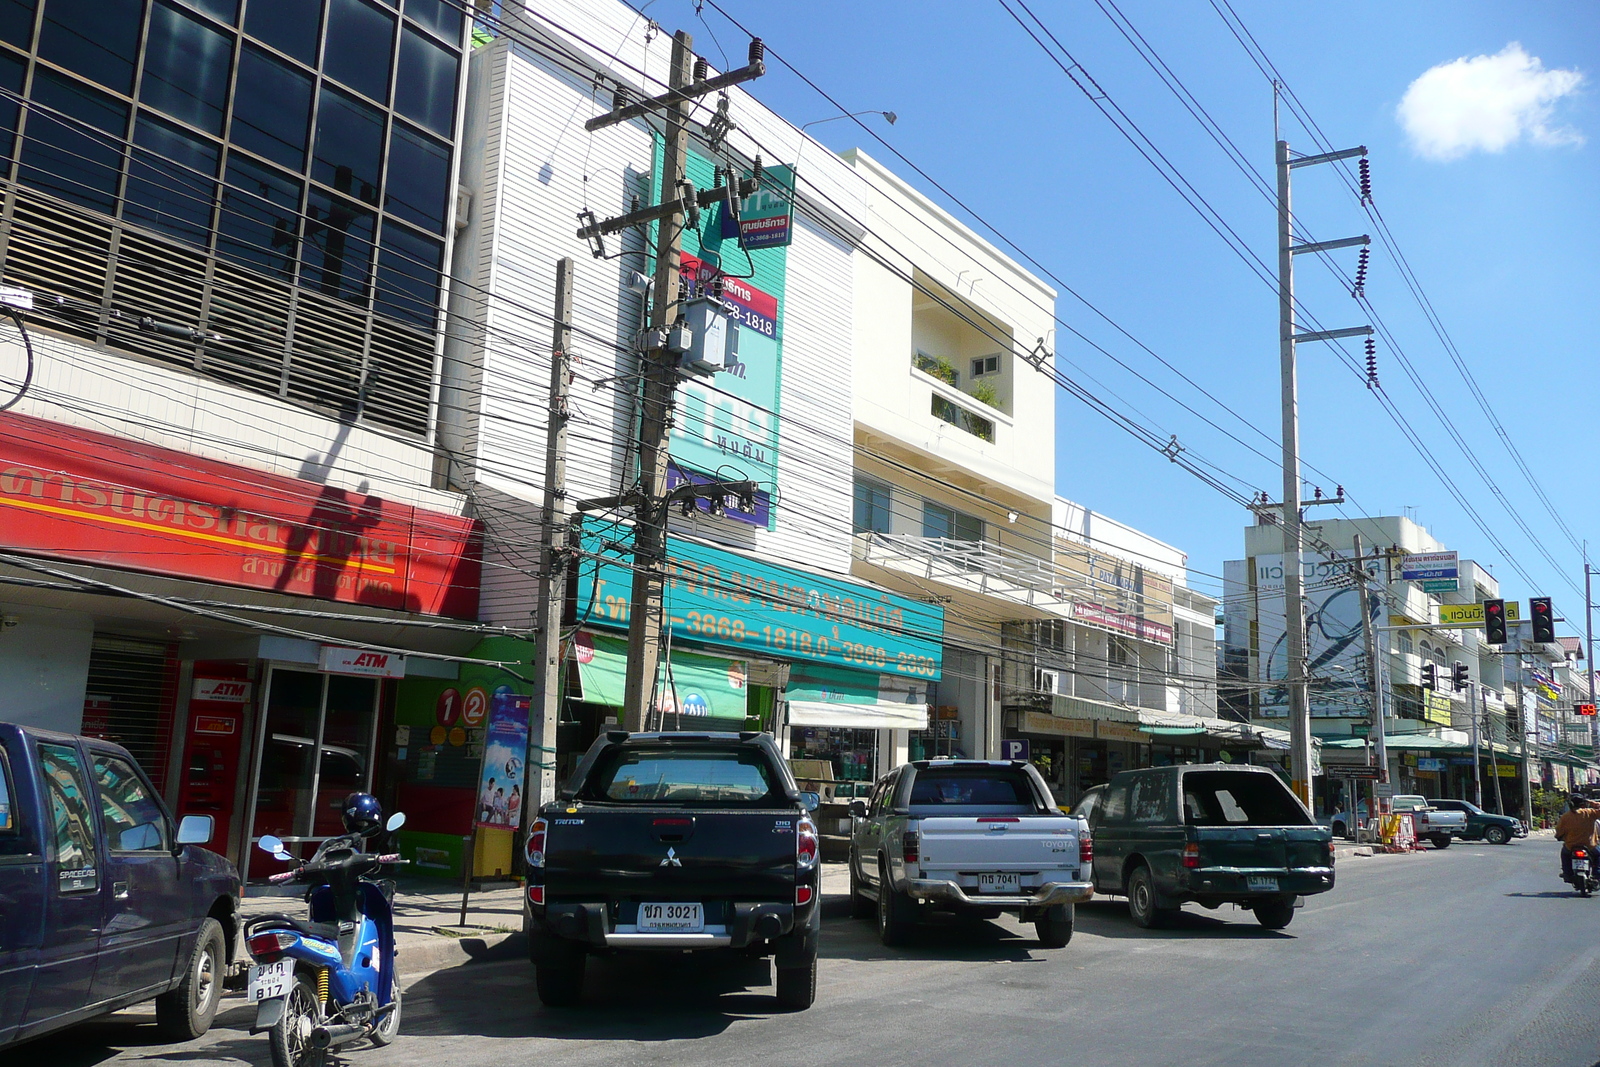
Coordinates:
717 597
1038 723
505 747
1437 571
727 427
360 661
1468 615
689 683
1105 618
1428 763
766 219
222 690
1118 731
1437 708
70 493
1333 628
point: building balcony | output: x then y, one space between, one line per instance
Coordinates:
978 568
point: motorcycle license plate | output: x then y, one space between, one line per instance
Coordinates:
999 883
672 918
1580 865
269 980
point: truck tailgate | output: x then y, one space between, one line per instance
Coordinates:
636 853
1261 847
998 843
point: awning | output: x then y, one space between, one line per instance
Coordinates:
879 716
693 683
1175 731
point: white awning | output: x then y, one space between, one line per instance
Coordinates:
882 716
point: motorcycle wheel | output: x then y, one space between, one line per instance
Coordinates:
389 1029
290 1036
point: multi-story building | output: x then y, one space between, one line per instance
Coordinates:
1414 626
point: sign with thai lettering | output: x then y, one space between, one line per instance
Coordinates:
1122 623
1438 572
766 219
69 493
336 660
717 597
1471 614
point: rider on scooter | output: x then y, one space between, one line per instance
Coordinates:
1576 828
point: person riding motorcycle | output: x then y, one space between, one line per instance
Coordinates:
1575 829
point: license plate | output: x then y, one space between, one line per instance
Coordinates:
1260 884
999 883
269 980
1580 865
672 918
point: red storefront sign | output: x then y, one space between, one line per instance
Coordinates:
75 494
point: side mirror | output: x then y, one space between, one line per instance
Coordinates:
268 844
397 820
858 809
810 801
195 829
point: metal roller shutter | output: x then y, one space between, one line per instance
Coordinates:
132 695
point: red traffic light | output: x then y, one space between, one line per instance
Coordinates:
1544 623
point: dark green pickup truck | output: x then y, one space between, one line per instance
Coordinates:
1210 834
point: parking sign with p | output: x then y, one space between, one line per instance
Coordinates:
1014 748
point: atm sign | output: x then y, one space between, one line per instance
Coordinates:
222 690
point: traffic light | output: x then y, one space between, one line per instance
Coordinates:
1544 620
1494 622
1458 677
1583 709
1430 676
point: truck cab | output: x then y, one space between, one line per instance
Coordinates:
108 901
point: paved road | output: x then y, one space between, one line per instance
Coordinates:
1475 955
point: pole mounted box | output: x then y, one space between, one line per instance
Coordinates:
713 344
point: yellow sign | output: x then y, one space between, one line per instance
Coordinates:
1436 708
1505 770
1471 614
1118 731
1035 723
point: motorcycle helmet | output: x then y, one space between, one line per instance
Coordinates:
362 814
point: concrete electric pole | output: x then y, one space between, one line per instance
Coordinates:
1296 678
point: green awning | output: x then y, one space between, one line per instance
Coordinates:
694 684
1174 731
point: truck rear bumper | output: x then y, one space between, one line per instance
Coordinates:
1047 895
1233 883
748 923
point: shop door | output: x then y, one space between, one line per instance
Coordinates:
317 742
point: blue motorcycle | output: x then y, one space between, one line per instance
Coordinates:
331 981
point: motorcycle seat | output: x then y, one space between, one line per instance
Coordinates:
322 931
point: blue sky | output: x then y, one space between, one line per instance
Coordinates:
1502 236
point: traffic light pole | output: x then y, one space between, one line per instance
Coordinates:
1522 730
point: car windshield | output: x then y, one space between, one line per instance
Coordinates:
1239 798
702 776
997 790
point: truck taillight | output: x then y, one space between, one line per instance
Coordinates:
536 895
533 849
1085 849
911 846
1191 855
806 845
802 894
270 945
1330 853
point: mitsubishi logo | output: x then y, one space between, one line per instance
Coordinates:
672 859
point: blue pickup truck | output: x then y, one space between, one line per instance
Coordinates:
104 902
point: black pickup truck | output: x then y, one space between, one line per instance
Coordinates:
675 842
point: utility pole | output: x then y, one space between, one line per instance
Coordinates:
687 80
1588 630
546 704
1293 580
1478 710
1522 729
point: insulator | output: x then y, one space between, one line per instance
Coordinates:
755 172
1364 169
700 70
716 178
619 98
1361 272
1372 363
758 51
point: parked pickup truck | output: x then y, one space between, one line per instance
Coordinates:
1213 834
967 836
1483 825
675 842
106 902
1431 823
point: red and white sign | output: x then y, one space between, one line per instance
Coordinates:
1122 623
475 707
222 690
75 494
215 724
336 660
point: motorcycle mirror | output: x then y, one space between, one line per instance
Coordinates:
282 854
397 820
270 845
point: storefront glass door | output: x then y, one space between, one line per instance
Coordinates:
316 747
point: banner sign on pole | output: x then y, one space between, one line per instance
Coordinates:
1439 572
504 748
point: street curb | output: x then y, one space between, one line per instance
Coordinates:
438 951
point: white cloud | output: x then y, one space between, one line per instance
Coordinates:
1486 103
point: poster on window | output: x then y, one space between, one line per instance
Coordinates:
505 747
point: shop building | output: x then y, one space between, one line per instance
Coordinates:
223 540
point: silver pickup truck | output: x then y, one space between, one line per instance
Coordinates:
969 836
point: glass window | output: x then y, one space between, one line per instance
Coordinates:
683 776
8 815
272 109
409 266
418 188
360 42
221 10
132 819
71 840
186 66
426 88
982 787
170 186
940 521
349 145
94 38
1148 803
338 246
872 506
290 26
12 71
438 15
16 22
60 156
260 221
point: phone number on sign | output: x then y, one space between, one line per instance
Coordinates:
806 643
